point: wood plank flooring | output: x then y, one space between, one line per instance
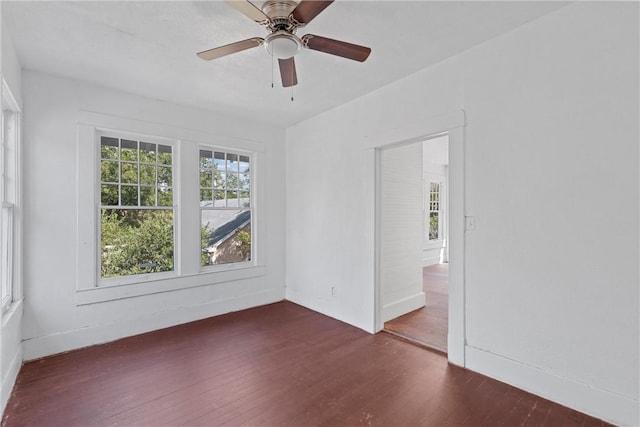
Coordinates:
427 326
277 365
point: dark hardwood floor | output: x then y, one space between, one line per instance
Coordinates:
277 365
427 326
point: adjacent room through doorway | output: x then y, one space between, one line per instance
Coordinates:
427 326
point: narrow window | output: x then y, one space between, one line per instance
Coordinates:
6 215
225 207
136 207
434 224
9 197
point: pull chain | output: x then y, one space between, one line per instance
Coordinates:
272 65
291 93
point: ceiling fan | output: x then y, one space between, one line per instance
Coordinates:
282 18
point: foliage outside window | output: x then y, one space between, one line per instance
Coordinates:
136 207
225 207
434 224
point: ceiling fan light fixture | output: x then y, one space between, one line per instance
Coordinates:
282 45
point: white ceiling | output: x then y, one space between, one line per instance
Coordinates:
149 48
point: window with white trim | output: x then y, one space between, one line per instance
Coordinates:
136 215
9 192
225 207
434 220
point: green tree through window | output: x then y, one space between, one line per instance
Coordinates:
136 215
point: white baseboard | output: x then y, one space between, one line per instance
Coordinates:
329 308
34 348
404 306
611 407
9 381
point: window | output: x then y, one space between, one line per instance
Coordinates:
225 207
9 193
434 225
136 207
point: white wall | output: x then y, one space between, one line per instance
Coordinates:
11 320
11 68
53 320
552 128
401 230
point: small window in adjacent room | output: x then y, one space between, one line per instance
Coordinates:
434 225
136 207
225 207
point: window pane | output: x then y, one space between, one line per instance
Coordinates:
108 171
433 225
165 155
232 162
245 181
135 241
244 164
206 196
108 148
233 181
206 178
129 150
206 161
147 152
219 201
129 173
148 174
219 161
147 196
109 195
129 195
225 236
164 176
244 200
232 199
165 196
219 180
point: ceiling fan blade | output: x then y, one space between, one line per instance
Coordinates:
228 49
288 72
336 47
306 10
250 10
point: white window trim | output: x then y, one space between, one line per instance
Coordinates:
13 270
252 207
187 272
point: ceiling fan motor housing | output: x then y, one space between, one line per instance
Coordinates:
279 11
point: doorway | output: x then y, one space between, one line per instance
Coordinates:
427 325
399 267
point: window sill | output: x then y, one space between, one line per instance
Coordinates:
122 291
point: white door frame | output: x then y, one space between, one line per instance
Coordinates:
453 125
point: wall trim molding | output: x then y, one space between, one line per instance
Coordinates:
38 347
415 131
406 305
11 350
10 380
596 402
